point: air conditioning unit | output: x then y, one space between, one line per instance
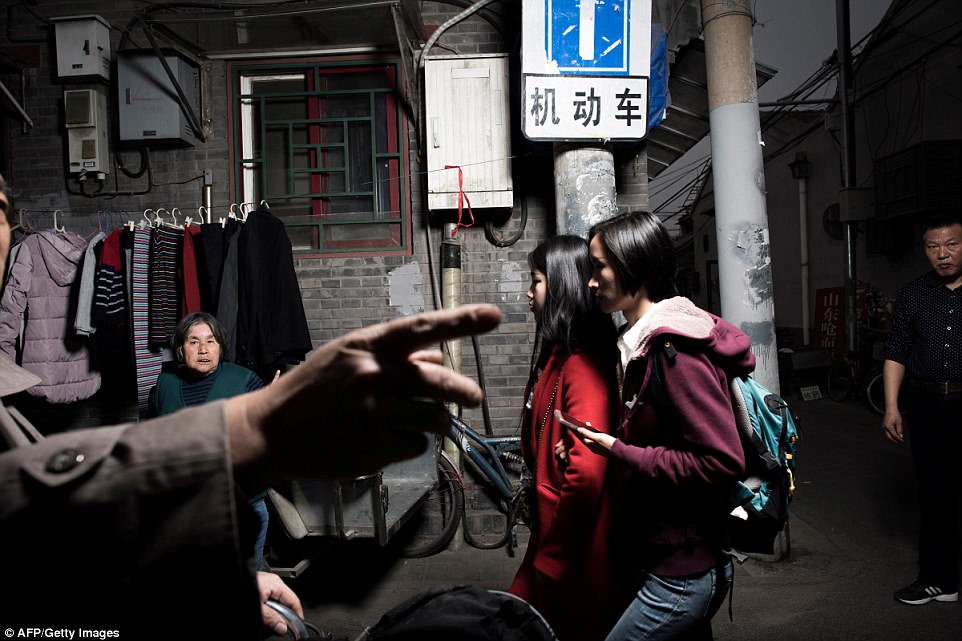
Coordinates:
85 114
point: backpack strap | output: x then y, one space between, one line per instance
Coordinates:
657 381
743 421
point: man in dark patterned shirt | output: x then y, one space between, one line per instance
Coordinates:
922 349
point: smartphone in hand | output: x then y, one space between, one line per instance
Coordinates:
571 422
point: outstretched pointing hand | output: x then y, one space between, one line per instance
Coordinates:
359 402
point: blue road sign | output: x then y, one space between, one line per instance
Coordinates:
588 36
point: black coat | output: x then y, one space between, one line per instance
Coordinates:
271 326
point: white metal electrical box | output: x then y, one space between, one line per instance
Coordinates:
468 131
85 111
149 108
83 47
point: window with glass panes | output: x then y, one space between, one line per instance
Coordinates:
321 144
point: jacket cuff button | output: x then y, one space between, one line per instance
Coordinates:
64 461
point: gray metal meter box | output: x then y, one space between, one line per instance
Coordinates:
468 131
149 108
85 112
83 47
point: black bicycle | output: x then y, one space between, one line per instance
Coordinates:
859 376
497 465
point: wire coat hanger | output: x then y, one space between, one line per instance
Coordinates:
174 213
57 226
246 209
19 224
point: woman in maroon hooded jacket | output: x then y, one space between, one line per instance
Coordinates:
671 460
566 573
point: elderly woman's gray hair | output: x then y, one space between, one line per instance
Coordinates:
188 322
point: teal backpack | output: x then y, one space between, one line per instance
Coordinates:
759 501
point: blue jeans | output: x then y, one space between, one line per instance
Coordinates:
669 607
260 508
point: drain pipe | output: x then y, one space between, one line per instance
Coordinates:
800 171
451 291
451 298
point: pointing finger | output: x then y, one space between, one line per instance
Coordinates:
406 335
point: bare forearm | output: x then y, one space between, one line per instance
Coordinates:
893 373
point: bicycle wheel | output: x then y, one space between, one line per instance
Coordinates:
431 529
875 394
842 379
489 518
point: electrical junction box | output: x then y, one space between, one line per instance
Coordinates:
83 47
856 204
149 108
469 130
85 112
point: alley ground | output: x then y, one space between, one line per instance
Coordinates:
853 533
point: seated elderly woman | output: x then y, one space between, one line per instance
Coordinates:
200 345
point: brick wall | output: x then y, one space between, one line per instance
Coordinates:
339 293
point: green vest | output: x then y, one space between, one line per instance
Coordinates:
230 380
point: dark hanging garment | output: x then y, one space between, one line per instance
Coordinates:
195 274
110 309
227 299
271 326
214 239
111 316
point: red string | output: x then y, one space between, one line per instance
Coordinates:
462 198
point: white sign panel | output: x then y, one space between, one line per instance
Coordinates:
585 69
579 107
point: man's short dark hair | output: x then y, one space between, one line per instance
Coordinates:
641 253
941 221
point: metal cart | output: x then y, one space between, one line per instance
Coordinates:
374 506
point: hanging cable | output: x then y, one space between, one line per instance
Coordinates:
494 237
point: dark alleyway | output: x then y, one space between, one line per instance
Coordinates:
853 532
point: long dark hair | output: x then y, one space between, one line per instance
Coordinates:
571 317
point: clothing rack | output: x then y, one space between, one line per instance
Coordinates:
150 217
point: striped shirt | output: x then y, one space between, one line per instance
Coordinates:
195 391
164 292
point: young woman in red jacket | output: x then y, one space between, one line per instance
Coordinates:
669 461
565 573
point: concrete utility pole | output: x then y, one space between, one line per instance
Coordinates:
584 187
844 48
741 220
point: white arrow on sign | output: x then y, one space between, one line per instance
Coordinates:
586 30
